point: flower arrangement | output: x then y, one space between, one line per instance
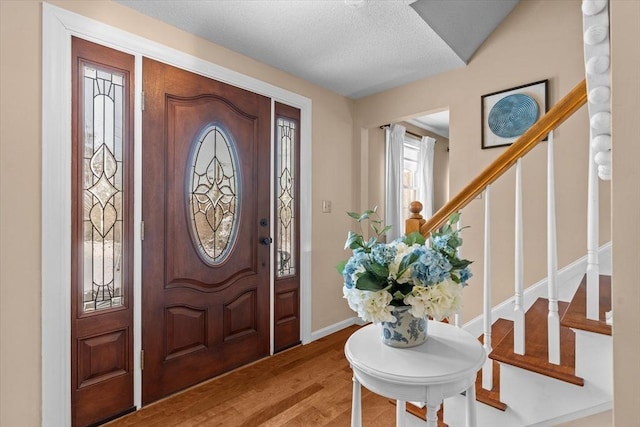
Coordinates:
406 272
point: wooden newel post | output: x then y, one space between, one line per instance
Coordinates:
415 221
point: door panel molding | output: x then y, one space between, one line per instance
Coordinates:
58 26
115 343
186 330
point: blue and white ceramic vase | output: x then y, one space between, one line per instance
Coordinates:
407 331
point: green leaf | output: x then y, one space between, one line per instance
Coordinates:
375 228
354 241
341 265
406 263
354 215
385 229
378 270
454 218
459 264
454 241
369 282
364 216
414 238
398 295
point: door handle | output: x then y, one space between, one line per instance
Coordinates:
266 241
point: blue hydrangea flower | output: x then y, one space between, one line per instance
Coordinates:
431 266
440 242
354 268
465 274
384 254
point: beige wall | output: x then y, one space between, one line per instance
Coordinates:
20 179
625 93
553 51
20 172
552 35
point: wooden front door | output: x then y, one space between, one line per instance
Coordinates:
205 207
102 233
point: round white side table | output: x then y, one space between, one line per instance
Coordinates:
445 365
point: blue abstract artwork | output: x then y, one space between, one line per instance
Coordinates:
508 114
513 115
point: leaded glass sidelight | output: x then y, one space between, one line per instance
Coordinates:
102 188
213 194
285 193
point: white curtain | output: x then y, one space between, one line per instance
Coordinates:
394 164
425 175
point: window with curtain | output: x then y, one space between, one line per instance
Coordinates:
409 176
410 181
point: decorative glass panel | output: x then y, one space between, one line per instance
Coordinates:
285 193
102 168
213 194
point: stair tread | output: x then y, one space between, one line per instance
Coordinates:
499 330
536 357
576 315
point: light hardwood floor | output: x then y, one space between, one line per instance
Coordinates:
305 386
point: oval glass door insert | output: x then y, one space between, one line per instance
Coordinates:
213 194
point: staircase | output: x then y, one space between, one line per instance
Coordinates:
551 363
550 351
528 390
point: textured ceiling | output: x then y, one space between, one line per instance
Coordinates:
353 47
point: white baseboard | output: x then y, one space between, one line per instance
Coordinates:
321 333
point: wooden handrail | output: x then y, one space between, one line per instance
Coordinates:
550 121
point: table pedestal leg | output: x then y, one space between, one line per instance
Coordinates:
432 415
401 409
471 406
356 409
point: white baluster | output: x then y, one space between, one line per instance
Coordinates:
518 310
457 319
487 369
593 267
553 320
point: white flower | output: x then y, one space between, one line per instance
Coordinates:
371 306
438 301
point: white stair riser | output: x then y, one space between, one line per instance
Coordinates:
537 398
594 359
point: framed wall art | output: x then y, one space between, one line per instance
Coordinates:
507 114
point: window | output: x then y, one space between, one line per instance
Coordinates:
410 173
